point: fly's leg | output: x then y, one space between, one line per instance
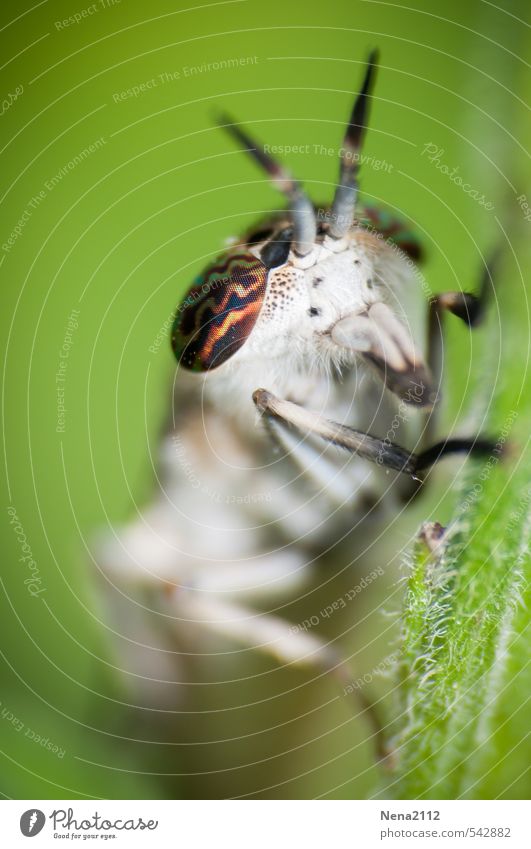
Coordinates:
314 465
381 451
289 645
471 309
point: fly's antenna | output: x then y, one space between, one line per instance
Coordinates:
301 207
344 204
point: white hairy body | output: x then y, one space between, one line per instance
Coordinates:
235 517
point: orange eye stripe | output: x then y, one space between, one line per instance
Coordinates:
233 318
219 311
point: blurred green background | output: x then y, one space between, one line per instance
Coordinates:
118 236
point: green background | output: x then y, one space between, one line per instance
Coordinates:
119 238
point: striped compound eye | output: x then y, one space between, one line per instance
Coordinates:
219 311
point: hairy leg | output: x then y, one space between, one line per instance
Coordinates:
377 450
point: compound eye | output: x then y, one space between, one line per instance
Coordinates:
218 313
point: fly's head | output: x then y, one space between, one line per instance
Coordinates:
309 290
